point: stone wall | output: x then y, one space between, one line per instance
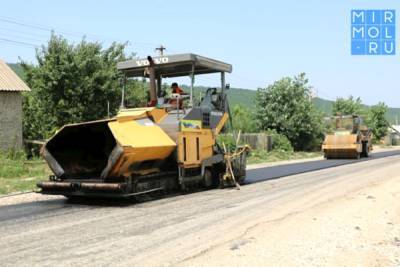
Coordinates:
10 120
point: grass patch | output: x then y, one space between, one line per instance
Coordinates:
19 174
262 156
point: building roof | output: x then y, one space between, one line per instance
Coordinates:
9 80
174 65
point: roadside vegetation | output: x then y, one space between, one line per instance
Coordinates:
71 83
18 174
262 156
282 149
286 107
374 116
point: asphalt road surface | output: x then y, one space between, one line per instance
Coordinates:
264 174
170 230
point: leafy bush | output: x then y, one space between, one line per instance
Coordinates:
71 83
286 107
228 140
243 119
374 117
279 141
349 106
377 121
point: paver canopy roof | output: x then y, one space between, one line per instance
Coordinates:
174 65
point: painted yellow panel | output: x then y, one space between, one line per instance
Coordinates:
190 148
133 156
132 114
158 114
221 123
191 154
341 145
147 135
340 140
142 141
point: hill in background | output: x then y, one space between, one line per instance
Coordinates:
246 97
393 114
237 96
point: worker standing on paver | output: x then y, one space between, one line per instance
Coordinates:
176 90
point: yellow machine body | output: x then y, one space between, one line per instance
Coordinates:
100 156
196 144
142 140
350 139
148 149
341 145
114 147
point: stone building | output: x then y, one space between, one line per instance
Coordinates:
11 87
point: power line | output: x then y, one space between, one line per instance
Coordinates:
18 42
18 36
25 32
13 21
40 27
91 36
146 48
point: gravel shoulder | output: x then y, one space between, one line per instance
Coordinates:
361 227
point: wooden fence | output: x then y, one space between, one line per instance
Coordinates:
260 141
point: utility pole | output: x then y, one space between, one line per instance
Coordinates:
161 50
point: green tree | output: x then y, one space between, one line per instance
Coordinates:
70 83
136 93
243 119
286 107
377 120
349 106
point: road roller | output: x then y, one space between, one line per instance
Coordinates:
163 146
347 137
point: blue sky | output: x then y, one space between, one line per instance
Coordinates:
264 40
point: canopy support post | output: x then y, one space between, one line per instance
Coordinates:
159 92
191 86
123 92
152 83
222 81
224 107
